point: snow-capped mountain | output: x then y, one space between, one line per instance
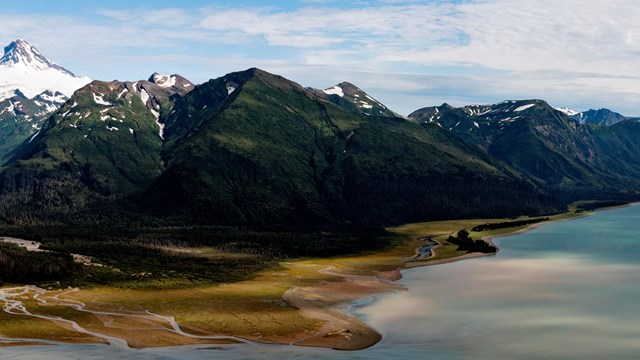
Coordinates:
603 117
23 68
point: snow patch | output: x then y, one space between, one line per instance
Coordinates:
34 136
10 108
33 82
122 92
100 100
567 111
524 107
336 90
164 81
59 99
160 125
144 96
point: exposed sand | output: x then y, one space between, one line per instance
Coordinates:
348 333
318 301
343 332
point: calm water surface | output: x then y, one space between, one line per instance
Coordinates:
568 290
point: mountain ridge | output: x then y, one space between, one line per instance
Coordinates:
556 150
250 148
255 148
349 95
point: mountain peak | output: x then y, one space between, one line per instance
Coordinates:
23 67
162 80
19 53
347 93
241 77
602 116
171 81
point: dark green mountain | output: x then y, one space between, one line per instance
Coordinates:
603 117
103 144
21 117
559 153
249 148
252 148
255 148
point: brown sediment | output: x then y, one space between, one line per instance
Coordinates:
328 288
318 301
344 332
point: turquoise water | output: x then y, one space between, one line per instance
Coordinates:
567 290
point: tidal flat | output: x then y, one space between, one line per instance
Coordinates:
250 310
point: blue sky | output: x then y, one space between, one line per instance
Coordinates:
406 53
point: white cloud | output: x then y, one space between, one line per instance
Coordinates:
577 53
168 17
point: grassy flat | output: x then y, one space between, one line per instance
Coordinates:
252 309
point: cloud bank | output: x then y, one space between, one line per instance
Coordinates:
409 54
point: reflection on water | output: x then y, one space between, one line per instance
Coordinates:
565 290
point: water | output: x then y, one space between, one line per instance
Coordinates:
568 290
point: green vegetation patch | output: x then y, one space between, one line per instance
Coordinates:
508 224
165 257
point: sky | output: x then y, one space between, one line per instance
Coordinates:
408 54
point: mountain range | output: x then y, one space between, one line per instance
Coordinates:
253 148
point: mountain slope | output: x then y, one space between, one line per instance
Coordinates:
21 117
250 148
352 97
255 148
31 88
104 143
544 143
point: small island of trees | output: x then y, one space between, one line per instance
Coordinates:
466 243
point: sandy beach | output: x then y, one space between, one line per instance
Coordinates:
319 301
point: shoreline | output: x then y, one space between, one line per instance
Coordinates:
333 283
489 238
373 336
